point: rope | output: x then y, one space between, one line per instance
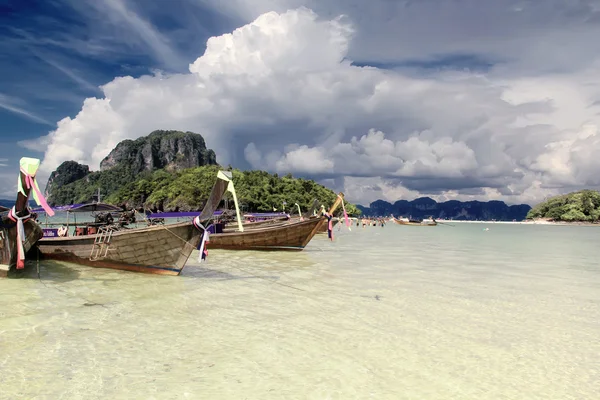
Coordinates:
203 240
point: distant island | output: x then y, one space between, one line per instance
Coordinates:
425 207
581 206
174 171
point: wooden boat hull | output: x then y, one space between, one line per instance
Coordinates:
293 236
323 228
8 242
162 249
259 224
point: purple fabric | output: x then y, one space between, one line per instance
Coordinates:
179 214
216 213
81 207
50 232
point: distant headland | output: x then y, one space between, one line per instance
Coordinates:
425 207
582 207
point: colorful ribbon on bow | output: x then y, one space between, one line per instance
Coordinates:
345 213
299 212
31 183
205 239
329 222
28 167
12 214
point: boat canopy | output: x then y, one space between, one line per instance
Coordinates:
180 214
216 214
82 207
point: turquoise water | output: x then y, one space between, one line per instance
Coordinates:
383 313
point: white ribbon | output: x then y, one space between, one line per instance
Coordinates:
20 233
205 236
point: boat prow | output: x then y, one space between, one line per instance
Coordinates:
19 231
158 249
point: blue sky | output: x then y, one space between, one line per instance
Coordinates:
457 100
56 53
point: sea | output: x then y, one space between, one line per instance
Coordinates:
456 311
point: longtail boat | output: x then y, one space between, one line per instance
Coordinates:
409 222
158 249
262 224
293 235
19 232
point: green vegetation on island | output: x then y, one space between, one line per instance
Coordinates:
188 189
582 206
129 176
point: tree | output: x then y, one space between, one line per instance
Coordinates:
582 206
188 189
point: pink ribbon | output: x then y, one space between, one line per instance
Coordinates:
30 183
346 215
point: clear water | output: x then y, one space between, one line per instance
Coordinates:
383 313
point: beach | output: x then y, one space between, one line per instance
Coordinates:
526 222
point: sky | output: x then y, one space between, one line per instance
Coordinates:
380 99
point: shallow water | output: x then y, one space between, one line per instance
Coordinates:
384 313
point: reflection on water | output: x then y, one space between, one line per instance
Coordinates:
382 313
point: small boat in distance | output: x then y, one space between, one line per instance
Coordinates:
157 249
412 222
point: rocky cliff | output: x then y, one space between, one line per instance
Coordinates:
67 172
170 150
453 209
161 150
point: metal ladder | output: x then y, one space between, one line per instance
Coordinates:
101 243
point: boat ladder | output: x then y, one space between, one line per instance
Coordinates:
101 243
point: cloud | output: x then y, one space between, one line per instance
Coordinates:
119 12
281 93
109 32
69 72
39 145
373 154
3 162
15 106
523 35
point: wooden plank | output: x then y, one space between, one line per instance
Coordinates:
142 250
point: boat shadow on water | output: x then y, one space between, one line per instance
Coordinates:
53 271
195 271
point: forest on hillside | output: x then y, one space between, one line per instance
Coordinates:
188 189
582 206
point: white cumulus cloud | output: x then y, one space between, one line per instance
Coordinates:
280 93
